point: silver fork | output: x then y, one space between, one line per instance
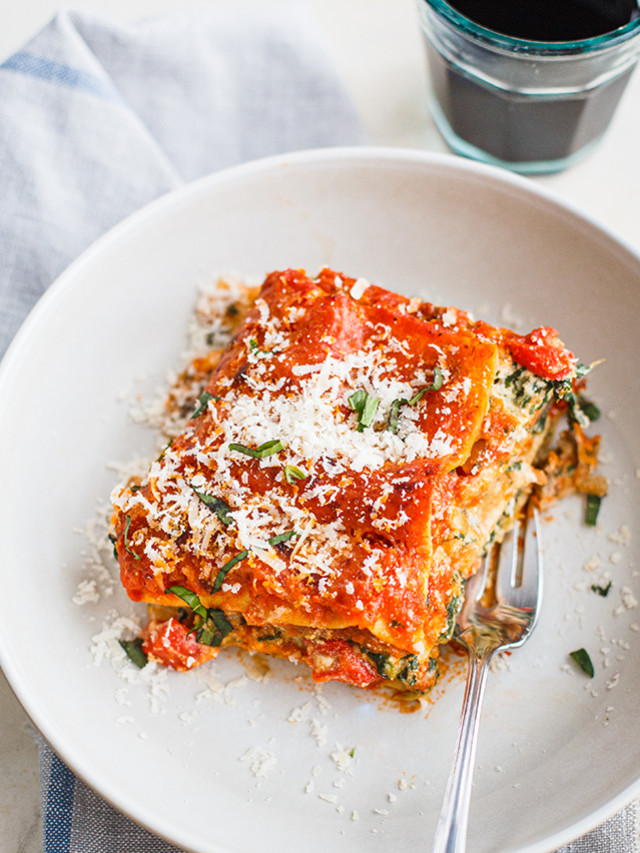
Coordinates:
516 565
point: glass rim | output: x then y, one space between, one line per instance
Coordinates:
594 43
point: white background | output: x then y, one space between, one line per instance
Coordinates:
377 49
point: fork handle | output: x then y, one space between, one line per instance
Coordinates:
451 834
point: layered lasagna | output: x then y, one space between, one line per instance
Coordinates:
349 457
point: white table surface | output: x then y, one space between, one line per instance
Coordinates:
377 48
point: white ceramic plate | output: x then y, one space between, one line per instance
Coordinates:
558 752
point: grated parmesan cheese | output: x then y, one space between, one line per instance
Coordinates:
261 761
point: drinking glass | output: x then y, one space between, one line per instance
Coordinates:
530 106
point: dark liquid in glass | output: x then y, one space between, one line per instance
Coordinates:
548 20
524 129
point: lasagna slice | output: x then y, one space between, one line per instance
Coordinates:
350 457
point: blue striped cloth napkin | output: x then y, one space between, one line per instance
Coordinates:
97 119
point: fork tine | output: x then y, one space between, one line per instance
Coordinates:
519 577
507 562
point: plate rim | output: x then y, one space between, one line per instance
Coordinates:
357 153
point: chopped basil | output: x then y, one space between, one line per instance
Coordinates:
203 402
133 650
207 636
583 369
581 657
394 414
221 622
113 541
217 584
189 598
126 538
589 409
269 638
164 449
601 590
255 349
394 410
292 472
417 397
436 385
365 406
368 413
216 505
242 555
282 537
592 510
578 408
214 629
266 449
582 411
